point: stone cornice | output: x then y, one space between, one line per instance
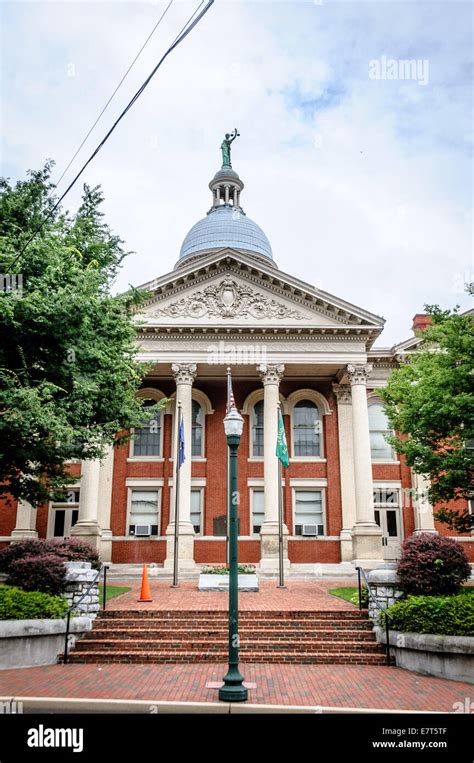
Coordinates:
268 334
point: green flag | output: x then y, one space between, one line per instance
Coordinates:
281 446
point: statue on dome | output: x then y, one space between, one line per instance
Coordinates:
225 148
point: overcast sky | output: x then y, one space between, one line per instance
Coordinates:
363 185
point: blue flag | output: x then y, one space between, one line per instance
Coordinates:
181 443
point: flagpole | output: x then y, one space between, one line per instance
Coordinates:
281 583
176 497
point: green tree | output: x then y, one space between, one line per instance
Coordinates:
68 373
430 404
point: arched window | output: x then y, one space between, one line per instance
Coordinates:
380 449
257 429
147 440
197 430
306 429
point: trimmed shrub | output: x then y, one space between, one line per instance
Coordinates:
41 572
18 550
69 549
441 615
16 604
432 565
74 550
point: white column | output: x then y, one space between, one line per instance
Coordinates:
105 503
346 466
422 508
366 534
87 526
271 376
25 526
227 191
184 375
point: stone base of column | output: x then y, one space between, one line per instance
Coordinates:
367 545
347 553
270 547
428 530
185 547
24 534
106 546
87 530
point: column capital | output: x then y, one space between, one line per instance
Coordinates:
358 372
184 373
343 393
271 373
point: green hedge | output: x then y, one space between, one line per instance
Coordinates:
16 604
442 615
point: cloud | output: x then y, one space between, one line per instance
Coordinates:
362 186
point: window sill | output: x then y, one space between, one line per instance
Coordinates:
314 537
383 462
307 459
256 459
158 459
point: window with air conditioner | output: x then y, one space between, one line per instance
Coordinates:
144 513
258 511
309 515
196 510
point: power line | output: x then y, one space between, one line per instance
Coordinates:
118 86
185 30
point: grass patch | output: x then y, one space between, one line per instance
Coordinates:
113 591
344 593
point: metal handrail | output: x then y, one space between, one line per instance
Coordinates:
377 604
75 604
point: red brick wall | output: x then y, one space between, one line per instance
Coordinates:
138 551
7 515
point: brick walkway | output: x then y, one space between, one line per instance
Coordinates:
315 685
299 595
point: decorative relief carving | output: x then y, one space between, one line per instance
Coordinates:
271 373
227 299
343 393
358 372
184 373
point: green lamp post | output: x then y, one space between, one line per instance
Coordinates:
233 689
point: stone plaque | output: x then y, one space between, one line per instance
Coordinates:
220 526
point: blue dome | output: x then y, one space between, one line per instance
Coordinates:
225 226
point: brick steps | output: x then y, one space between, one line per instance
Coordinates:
367 658
268 634
220 645
159 636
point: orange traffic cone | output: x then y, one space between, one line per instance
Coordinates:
145 594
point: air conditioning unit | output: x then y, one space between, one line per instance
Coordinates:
309 530
143 530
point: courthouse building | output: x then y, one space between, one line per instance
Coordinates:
347 496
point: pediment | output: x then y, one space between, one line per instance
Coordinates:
232 292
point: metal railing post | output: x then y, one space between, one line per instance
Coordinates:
360 589
388 617
67 636
387 637
104 599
